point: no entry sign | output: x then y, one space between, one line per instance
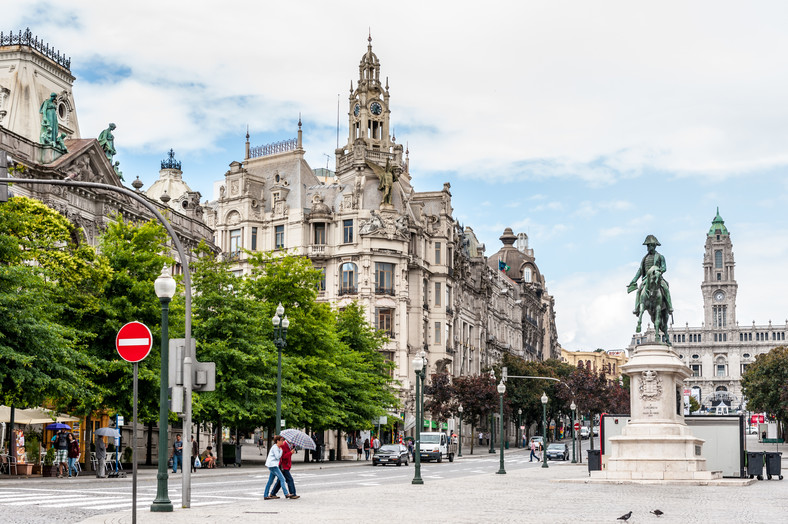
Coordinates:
133 342
577 426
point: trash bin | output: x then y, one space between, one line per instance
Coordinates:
774 461
238 448
755 464
507 444
594 460
332 454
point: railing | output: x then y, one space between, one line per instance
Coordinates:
426 306
272 149
384 290
27 39
449 311
348 290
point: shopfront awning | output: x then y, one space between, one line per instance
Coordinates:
33 416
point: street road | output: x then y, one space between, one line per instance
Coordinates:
71 500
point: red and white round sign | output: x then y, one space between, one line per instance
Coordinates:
577 426
134 342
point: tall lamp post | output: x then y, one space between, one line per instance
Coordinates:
165 290
544 429
460 410
280 340
492 419
519 424
572 408
501 391
418 367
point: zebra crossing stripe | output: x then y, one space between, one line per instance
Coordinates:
84 503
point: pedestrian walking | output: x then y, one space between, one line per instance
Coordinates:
61 448
410 449
177 453
260 444
366 449
272 463
533 452
375 445
285 463
101 456
195 456
73 455
481 438
359 448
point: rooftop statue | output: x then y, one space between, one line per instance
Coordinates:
107 142
653 293
49 131
387 176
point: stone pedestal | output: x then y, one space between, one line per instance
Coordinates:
656 444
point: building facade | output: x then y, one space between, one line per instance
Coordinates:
599 361
421 277
720 349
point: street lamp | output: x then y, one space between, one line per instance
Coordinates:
544 429
519 424
165 290
460 410
501 391
572 408
492 423
418 366
280 340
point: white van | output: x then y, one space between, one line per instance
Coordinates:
585 432
436 446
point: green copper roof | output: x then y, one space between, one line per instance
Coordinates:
718 225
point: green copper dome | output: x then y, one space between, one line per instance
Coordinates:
718 225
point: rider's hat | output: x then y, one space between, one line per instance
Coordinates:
651 239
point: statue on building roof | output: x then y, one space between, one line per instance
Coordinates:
107 142
653 293
386 176
49 131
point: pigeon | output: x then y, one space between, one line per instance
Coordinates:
657 512
625 517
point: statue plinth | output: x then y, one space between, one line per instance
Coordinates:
656 444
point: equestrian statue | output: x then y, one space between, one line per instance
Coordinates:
653 293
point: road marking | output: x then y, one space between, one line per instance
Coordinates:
81 503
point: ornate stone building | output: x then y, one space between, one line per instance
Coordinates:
599 361
401 254
719 351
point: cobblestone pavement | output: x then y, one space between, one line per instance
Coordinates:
523 495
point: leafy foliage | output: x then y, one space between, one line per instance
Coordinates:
765 383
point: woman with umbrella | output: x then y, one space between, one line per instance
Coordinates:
61 446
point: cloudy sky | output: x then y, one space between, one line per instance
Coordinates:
586 125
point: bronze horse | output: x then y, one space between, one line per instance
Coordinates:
653 301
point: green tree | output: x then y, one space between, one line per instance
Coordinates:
478 397
764 383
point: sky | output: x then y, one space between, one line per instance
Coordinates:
586 125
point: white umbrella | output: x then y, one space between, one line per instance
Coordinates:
107 432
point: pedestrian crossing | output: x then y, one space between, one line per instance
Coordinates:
107 500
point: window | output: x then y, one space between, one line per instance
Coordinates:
321 285
695 370
720 316
720 370
254 239
347 231
718 259
527 275
320 234
279 237
384 320
424 290
448 296
384 278
235 242
349 279
437 293
437 252
744 368
719 276
437 333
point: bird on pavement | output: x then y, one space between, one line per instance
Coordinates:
625 517
657 512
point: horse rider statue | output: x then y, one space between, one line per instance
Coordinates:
653 265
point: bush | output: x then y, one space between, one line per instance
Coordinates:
32 447
49 458
127 455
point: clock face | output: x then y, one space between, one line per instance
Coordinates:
719 296
376 108
356 109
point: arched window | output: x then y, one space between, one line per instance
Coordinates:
348 279
718 258
527 275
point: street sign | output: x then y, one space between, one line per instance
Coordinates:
577 426
134 341
121 421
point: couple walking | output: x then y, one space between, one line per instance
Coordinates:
279 462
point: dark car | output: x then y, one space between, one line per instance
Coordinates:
391 454
557 450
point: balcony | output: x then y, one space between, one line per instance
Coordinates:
426 306
449 311
319 251
384 290
348 291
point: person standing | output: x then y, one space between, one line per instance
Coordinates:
61 448
101 457
272 463
195 456
177 453
359 448
481 438
285 463
366 449
73 455
410 449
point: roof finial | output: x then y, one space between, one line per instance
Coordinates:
299 119
370 36
247 132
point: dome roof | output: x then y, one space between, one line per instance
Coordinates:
170 181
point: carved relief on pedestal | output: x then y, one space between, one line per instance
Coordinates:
650 385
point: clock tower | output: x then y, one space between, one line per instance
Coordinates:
369 105
719 284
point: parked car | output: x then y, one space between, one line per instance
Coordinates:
557 451
391 454
584 432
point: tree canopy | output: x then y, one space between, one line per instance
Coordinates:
765 383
